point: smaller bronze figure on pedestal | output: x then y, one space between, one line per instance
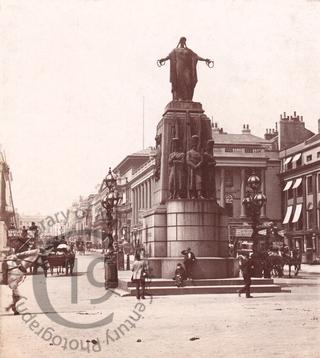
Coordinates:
176 166
208 172
194 164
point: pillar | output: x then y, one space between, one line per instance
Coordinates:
263 189
222 187
242 191
134 204
150 193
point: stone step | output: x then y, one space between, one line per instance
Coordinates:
125 284
173 290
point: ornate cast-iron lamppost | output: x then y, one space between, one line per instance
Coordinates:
110 202
253 202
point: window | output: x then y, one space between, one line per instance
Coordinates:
310 219
318 183
309 157
228 179
300 190
318 154
299 162
299 224
289 166
290 194
309 184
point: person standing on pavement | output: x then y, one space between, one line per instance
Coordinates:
246 267
189 260
139 276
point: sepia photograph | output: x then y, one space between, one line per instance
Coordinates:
160 178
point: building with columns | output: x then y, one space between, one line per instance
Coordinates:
300 182
237 157
137 185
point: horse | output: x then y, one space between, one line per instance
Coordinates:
286 257
292 258
276 263
17 265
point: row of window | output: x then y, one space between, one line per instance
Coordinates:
309 187
312 221
298 162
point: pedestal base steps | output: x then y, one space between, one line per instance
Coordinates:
163 287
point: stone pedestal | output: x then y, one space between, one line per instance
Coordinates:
181 119
204 268
196 224
174 225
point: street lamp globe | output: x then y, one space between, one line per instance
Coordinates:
253 181
260 199
110 180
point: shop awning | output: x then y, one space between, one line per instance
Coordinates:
297 183
287 160
297 213
296 157
288 215
288 185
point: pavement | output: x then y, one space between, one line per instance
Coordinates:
78 318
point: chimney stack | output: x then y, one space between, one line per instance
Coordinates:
215 128
246 129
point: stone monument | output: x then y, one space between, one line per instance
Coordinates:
186 213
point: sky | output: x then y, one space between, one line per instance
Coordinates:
74 74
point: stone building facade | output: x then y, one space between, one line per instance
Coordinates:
300 181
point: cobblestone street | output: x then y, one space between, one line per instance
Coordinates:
281 324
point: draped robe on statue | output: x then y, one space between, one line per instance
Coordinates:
183 73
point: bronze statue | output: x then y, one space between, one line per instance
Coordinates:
194 164
208 171
176 167
157 158
183 70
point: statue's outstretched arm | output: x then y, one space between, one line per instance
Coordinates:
209 63
162 61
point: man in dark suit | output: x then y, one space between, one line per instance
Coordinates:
189 260
247 268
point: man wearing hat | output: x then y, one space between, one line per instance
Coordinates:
189 260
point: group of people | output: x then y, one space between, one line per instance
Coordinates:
140 272
185 273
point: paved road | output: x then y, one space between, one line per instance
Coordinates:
269 325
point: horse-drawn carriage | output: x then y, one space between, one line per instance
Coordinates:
272 255
22 240
64 263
